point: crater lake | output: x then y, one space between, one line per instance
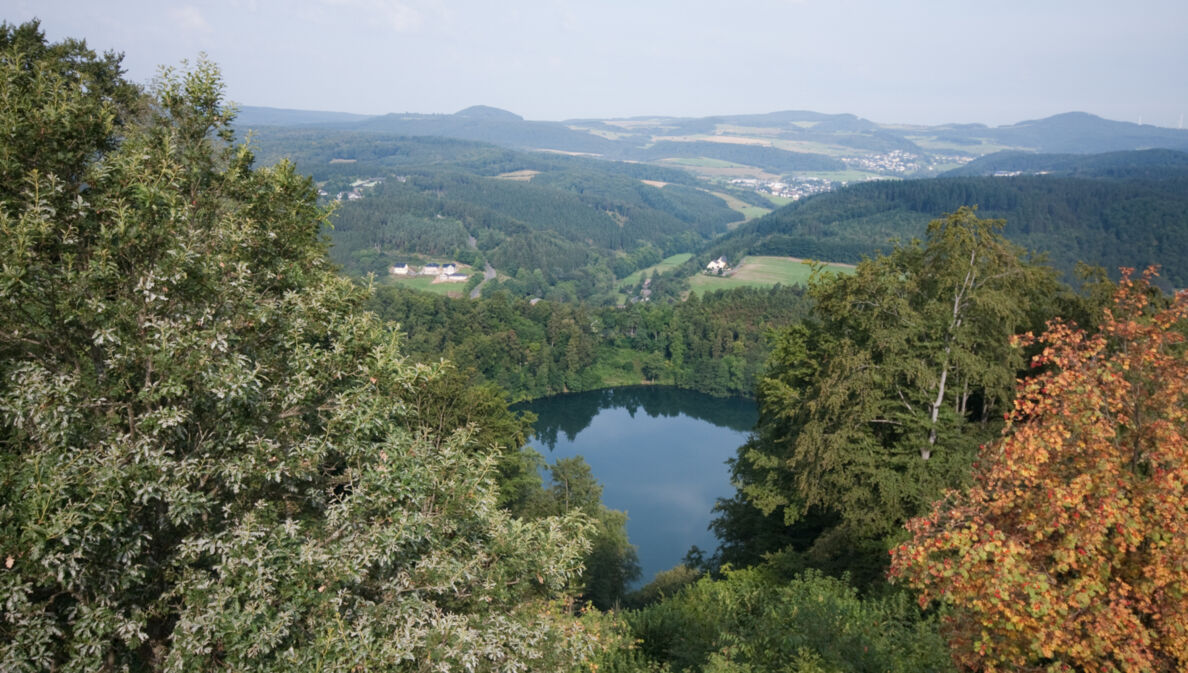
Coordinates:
660 454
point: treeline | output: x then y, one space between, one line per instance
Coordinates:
715 344
1153 164
1101 222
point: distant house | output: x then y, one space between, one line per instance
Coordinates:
449 269
717 265
431 270
400 270
454 277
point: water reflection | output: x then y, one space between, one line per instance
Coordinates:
570 414
665 467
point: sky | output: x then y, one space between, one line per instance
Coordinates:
890 61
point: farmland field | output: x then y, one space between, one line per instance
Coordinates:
762 271
426 284
667 264
748 211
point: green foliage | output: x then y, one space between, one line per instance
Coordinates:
664 585
579 223
61 104
1067 553
611 564
873 408
210 457
715 344
1131 222
749 621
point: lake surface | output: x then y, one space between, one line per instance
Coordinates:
660 454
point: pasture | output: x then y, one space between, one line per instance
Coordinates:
763 271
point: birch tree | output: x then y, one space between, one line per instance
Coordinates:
876 405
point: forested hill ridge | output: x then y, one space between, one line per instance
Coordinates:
1151 163
1110 222
768 143
552 225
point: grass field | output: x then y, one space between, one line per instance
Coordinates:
748 211
520 176
703 162
426 284
760 271
779 201
666 264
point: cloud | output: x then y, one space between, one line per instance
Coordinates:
189 19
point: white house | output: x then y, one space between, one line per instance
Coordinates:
400 270
716 265
449 269
430 270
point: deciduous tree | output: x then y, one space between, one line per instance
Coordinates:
208 454
1070 552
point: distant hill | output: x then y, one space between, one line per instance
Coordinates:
1081 133
489 113
769 146
494 126
252 116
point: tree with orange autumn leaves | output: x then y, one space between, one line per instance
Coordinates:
1070 553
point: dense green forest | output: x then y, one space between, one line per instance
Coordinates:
717 344
219 453
1152 164
1104 222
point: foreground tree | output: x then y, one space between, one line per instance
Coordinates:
210 457
876 405
1071 550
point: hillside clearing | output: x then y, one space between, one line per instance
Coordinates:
763 271
521 176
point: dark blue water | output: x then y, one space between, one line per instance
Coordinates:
660 454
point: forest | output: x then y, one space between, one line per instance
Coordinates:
218 452
576 223
1135 220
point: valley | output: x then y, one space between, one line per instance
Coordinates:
789 391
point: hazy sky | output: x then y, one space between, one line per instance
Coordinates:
911 61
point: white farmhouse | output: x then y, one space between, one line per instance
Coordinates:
400 270
431 270
716 265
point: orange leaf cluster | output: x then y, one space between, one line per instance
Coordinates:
1071 550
